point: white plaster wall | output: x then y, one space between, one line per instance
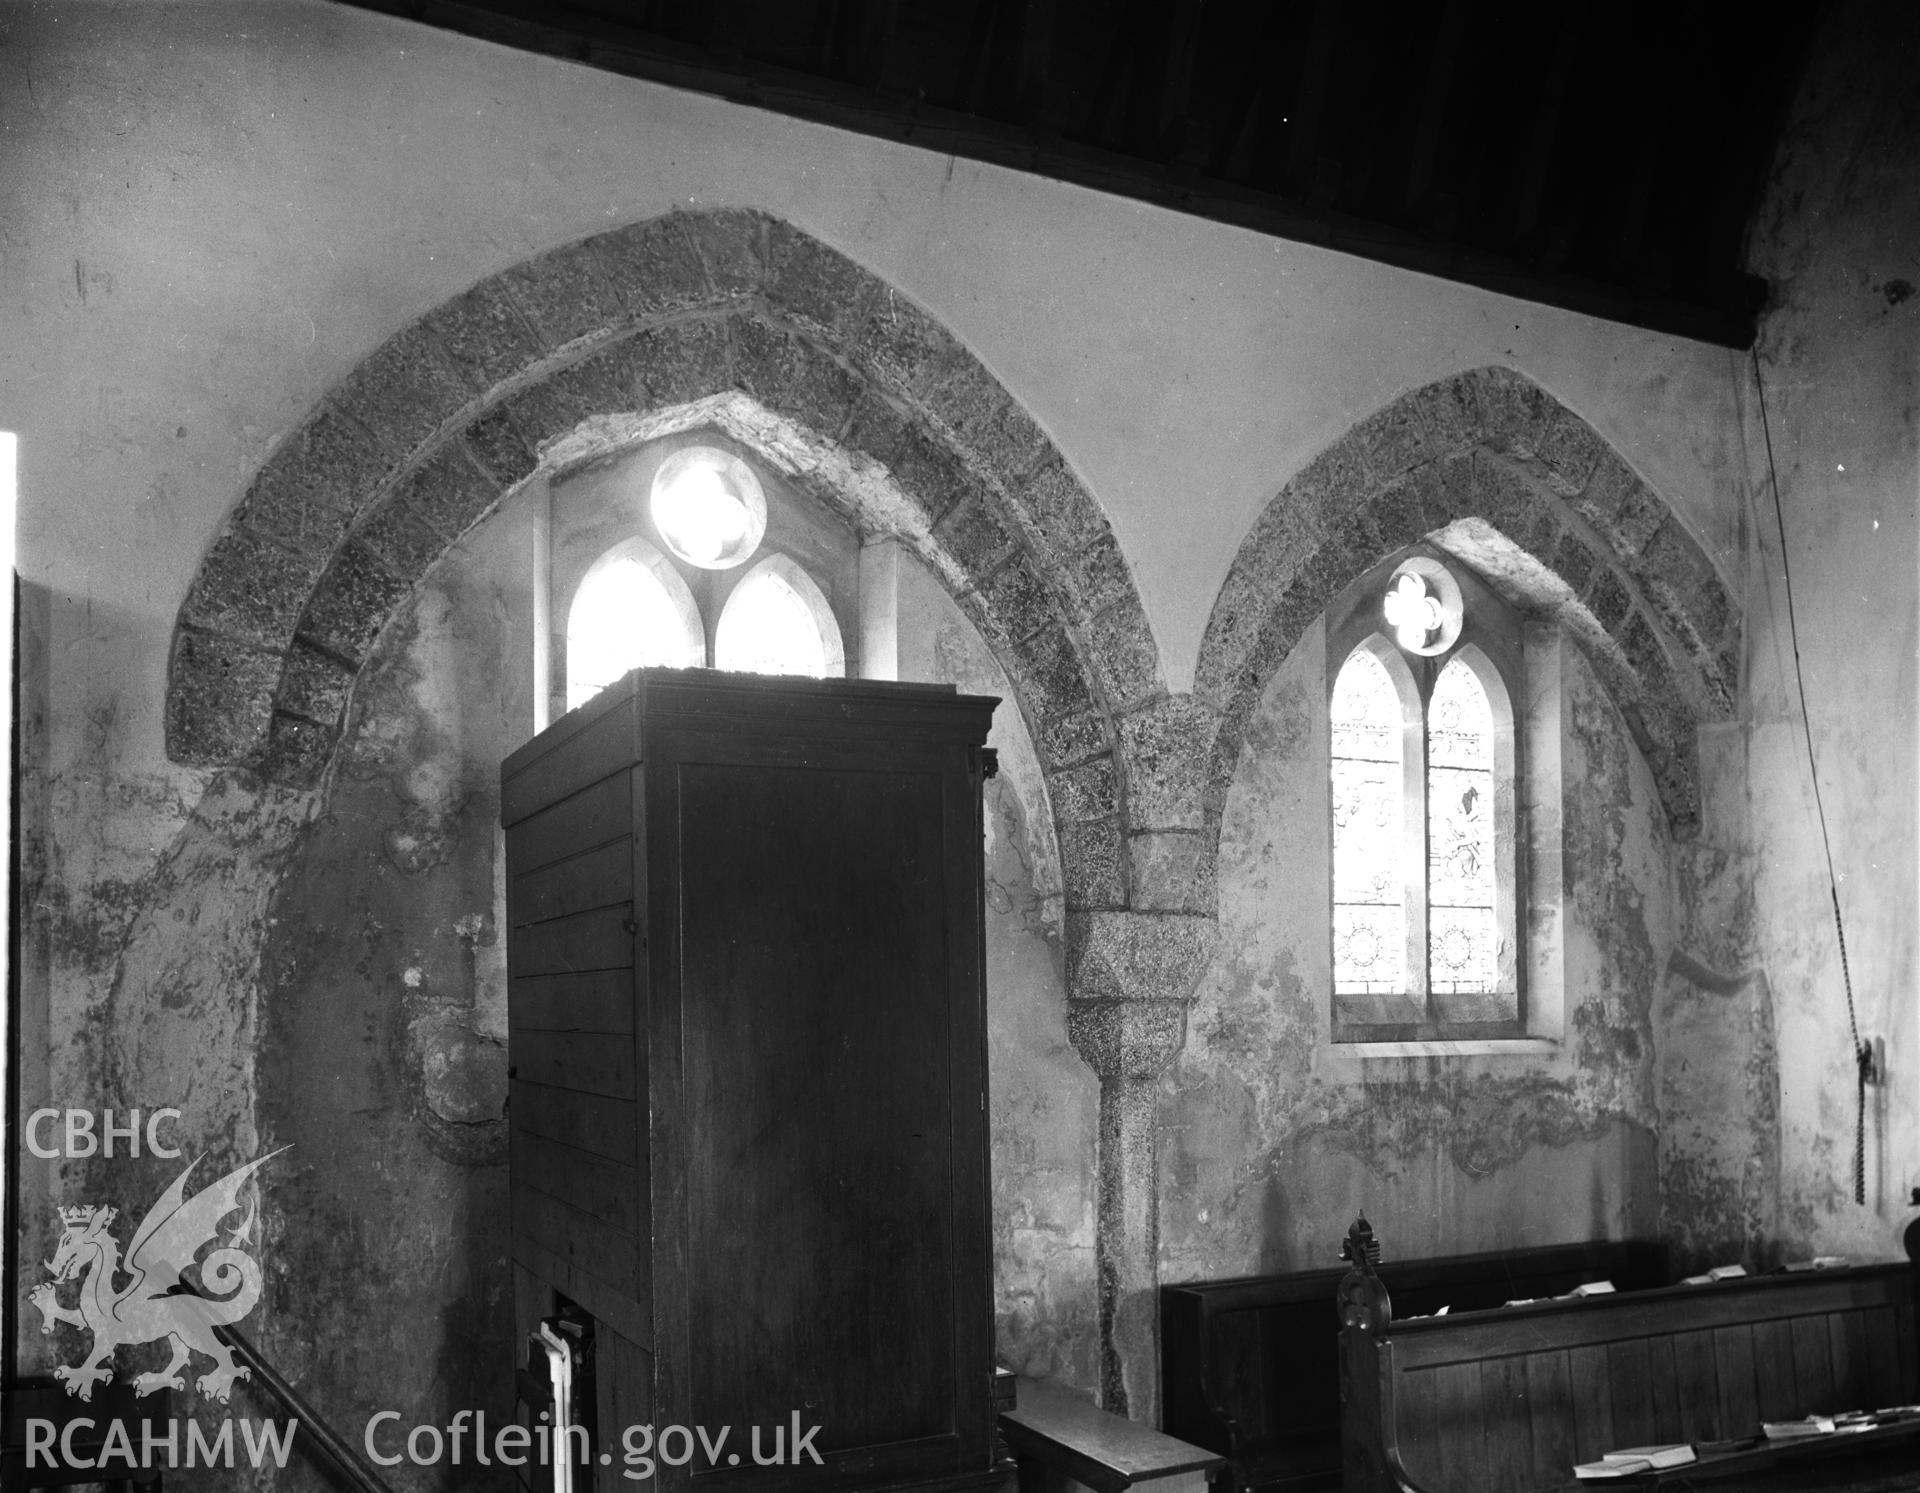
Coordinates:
214 210
1839 363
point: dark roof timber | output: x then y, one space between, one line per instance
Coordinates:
1602 159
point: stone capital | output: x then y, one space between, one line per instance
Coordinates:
1137 956
1126 1038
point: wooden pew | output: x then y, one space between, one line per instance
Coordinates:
1508 1400
1250 1367
1063 1443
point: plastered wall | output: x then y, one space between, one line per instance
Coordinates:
209 213
1832 420
1270 1149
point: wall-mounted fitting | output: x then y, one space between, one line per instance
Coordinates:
1873 1060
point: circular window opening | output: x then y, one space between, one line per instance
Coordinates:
708 506
1424 607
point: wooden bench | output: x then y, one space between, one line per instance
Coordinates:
1508 1400
1250 1367
1063 1443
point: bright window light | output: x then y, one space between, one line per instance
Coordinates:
630 612
709 508
778 622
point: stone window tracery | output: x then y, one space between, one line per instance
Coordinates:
704 588
1426 874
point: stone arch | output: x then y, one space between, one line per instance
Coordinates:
428 434
1492 468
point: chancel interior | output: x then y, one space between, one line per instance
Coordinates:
1454 761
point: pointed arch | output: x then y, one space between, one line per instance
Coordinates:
541 362
1489 467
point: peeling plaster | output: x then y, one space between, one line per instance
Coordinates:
1263 1163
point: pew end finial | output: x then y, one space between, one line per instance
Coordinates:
1362 1299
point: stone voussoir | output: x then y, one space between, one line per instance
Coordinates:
1508 499
974 535
1093 865
565 295
929 472
404 541
219 698
654 267
251 589
450 492
1450 410
1567 451
1097 576
297 752
1391 441
1084 793
999 434
1164 746
485 334
496 444
1512 410
1050 676
1239 612
314 686
1058 508
309 491
681 361
1123 654
1070 740
1686 586
816 285
1608 599
404 392
352 603
1620 506
879 429
1400 511
731 245
1018 599
905 346
547 410
793 378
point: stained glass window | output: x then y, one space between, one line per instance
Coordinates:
1462 923
1422 764
1369 831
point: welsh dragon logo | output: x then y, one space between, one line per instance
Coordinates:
156 1303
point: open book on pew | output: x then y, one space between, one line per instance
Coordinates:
1719 1272
1578 1293
1798 1430
1631 1461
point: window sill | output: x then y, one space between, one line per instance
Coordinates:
1471 1047
1375 1062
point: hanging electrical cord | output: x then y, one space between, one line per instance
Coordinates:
1862 1051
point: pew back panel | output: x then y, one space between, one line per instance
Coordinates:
1250 1366
1508 1401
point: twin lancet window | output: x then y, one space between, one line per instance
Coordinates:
1423 670
634 607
